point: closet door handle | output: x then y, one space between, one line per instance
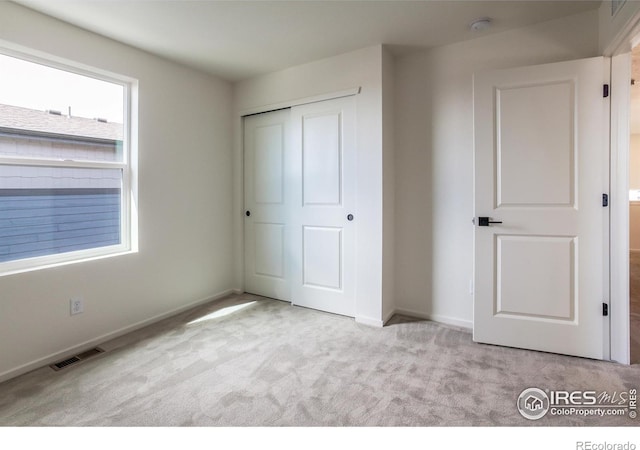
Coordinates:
248 213
350 217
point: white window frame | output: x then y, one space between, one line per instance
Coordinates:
128 165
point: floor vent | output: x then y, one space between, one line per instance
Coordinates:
76 359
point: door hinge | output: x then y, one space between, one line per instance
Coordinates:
605 309
605 200
605 90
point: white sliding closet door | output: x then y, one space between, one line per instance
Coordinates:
266 205
323 216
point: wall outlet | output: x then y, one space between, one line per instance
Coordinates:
77 306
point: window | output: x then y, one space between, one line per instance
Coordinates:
65 164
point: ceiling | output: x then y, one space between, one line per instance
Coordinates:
240 39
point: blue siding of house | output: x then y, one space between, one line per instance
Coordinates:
38 222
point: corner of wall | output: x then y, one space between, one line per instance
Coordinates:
184 245
388 184
360 68
434 155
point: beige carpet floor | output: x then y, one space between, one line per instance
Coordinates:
634 294
246 360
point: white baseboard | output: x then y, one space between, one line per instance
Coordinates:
79 348
468 324
388 317
369 321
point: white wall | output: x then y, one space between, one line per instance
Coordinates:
185 192
634 183
634 161
634 226
434 156
361 68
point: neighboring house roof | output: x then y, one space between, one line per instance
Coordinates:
42 122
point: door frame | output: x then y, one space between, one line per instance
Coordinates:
619 331
619 50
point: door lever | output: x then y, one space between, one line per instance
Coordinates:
485 222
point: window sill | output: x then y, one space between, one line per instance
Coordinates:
54 261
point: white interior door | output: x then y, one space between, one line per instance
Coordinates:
323 213
266 204
541 168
